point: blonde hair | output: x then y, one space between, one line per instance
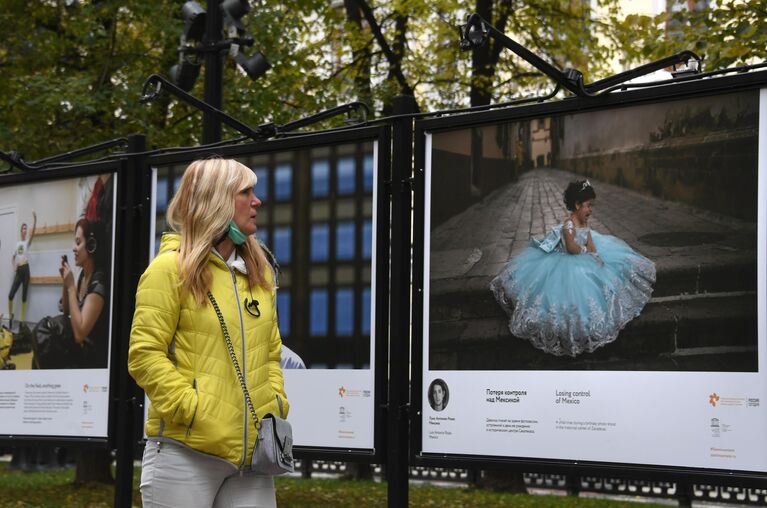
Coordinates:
200 212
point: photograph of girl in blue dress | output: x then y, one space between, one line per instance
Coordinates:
574 290
619 238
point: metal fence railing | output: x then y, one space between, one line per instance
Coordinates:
574 485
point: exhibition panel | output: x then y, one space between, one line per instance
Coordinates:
590 282
324 218
59 231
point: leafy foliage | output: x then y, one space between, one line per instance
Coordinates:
725 33
73 70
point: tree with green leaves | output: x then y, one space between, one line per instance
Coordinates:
73 70
724 33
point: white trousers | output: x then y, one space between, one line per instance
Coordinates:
174 476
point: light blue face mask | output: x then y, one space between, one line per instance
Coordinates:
234 233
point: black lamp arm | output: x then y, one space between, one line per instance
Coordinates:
679 58
120 142
476 32
14 159
328 113
159 83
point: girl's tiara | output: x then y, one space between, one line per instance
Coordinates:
586 183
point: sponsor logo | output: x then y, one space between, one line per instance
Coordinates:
717 400
353 392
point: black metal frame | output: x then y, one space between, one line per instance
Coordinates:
689 89
42 176
14 158
262 132
381 320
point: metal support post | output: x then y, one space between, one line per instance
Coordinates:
130 260
398 443
214 71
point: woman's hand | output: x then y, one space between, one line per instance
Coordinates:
66 275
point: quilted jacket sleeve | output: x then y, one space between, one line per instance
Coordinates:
154 325
275 370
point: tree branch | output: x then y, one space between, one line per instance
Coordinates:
395 62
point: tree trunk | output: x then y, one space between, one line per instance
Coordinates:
503 481
93 465
358 471
362 56
484 59
395 61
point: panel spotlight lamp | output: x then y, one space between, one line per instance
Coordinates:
254 66
185 74
194 21
234 10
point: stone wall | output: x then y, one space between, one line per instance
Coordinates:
715 172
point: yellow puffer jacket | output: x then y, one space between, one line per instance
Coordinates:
179 357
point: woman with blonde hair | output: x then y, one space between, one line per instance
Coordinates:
210 270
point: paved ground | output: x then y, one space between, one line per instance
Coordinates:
706 266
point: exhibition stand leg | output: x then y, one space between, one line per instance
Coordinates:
398 443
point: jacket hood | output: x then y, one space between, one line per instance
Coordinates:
169 242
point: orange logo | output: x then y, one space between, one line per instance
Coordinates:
713 399
341 391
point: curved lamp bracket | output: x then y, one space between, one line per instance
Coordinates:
477 31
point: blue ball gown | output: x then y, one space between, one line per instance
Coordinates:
568 304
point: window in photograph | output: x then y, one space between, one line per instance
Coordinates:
344 311
318 312
162 194
345 241
320 242
283 182
346 175
262 185
282 244
320 178
367 173
263 235
366 311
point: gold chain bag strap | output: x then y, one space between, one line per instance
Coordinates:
273 452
